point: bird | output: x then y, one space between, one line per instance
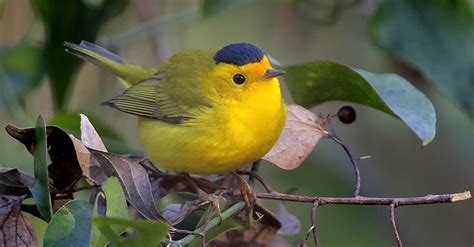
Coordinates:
202 111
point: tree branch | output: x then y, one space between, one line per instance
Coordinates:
394 225
253 174
362 200
313 222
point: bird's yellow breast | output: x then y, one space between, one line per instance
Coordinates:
229 135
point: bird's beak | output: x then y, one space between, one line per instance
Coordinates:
271 73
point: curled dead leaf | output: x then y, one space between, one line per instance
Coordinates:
14 182
89 166
302 132
64 169
89 136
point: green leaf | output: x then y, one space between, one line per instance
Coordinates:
226 225
116 207
70 21
21 71
435 36
317 82
115 197
40 187
70 225
145 232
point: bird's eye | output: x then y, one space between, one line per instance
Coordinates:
238 79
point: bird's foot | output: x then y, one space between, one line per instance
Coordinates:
206 198
246 191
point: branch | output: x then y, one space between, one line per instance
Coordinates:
394 225
362 200
253 174
313 222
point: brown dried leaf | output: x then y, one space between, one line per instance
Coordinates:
97 165
302 131
14 182
64 169
89 166
261 232
133 178
89 136
16 230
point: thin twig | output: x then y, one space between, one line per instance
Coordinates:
394 225
149 166
258 178
361 200
353 161
305 240
313 222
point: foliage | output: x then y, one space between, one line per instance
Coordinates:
136 204
70 21
320 81
70 225
436 37
20 71
40 186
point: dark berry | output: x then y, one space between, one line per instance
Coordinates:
347 114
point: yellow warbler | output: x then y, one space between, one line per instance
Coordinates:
201 111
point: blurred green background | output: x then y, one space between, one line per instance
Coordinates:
35 73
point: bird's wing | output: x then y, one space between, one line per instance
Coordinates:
152 98
129 73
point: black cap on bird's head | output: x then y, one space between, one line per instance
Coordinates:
238 54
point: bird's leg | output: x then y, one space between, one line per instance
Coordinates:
247 192
205 198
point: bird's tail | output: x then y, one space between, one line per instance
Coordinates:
128 73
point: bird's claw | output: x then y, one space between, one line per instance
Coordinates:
248 194
246 191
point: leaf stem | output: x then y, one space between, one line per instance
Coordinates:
353 161
254 169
